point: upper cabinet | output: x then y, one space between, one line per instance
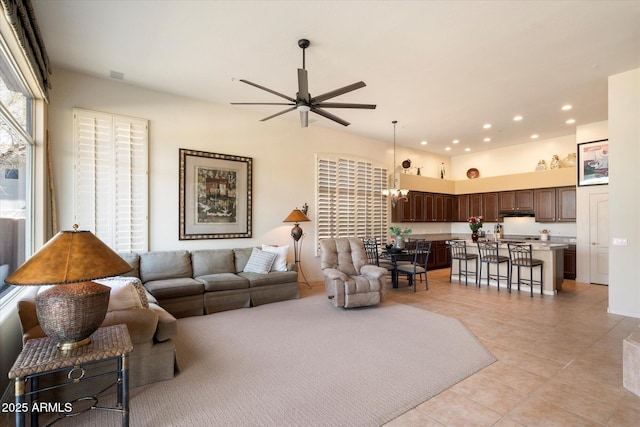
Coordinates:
555 204
521 200
490 207
461 208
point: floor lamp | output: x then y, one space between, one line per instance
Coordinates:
297 216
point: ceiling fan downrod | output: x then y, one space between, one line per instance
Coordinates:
303 43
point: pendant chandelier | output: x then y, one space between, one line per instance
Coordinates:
394 193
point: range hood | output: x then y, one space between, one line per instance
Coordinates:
511 214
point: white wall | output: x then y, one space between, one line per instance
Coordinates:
624 192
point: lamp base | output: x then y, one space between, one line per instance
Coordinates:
71 313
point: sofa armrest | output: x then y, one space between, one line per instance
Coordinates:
334 274
27 310
167 324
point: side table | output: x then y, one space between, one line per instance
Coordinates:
41 357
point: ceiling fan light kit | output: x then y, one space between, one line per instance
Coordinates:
304 102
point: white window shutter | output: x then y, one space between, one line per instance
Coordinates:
349 198
111 185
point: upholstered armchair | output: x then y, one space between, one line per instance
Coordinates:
349 279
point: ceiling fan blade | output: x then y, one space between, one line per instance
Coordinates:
303 85
277 114
268 90
338 92
329 116
342 105
304 118
262 103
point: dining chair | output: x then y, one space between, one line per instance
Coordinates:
521 256
418 267
489 254
372 248
458 249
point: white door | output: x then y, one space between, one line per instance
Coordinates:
599 238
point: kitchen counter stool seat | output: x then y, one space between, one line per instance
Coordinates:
458 249
521 256
489 255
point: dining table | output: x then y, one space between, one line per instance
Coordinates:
395 255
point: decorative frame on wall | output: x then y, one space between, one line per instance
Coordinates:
593 163
215 195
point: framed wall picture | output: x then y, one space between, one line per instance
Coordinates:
215 195
593 163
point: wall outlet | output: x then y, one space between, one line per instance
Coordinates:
619 241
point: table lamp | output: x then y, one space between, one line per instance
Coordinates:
73 309
297 216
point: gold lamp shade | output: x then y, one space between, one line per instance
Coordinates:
296 216
72 311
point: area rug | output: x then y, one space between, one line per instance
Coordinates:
306 363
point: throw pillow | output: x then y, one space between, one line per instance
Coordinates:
137 284
124 294
259 262
280 264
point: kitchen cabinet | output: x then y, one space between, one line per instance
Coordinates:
555 204
475 205
462 208
521 200
566 204
429 207
440 256
490 207
545 205
570 262
449 208
409 210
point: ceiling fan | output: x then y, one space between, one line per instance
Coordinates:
304 102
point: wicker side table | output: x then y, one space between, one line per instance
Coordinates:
41 356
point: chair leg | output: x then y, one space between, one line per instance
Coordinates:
426 281
477 282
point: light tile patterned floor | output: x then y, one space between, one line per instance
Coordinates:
559 357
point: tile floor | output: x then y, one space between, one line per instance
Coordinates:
559 358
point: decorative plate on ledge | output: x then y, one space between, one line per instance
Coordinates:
473 173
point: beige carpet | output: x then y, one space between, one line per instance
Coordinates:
306 363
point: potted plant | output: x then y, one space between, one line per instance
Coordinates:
475 224
398 232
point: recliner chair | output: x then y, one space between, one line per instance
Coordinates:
349 279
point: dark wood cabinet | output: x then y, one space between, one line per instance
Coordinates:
521 200
566 204
490 207
409 210
555 204
545 204
462 208
439 257
475 205
449 208
570 262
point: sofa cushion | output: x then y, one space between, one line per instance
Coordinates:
172 288
121 284
241 257
212 261
259 262
280 264
272 278
164 265
223 282
134 261
141 323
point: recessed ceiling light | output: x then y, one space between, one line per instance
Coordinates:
447 149
534 136
455 141
487 126
467 149
487 139
566 107
423 143
517 118
570 121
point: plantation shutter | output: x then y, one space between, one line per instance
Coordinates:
110 185
349 201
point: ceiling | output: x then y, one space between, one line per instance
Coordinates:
443 69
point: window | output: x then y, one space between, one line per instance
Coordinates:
350 202
16 145
110 180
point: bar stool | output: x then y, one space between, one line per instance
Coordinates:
521 256
458 250
489 255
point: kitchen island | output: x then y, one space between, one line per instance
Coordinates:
551 252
